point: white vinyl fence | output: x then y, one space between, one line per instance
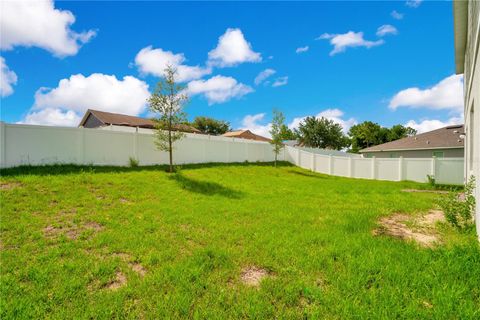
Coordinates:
40 145
444 170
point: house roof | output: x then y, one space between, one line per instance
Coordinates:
460 20
109 118
443 138
245 134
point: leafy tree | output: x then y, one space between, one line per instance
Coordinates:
322 133
398 132
276 132
368 134
286 133
211 126
167 102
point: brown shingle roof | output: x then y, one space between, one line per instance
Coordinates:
109 118
245 134
447 137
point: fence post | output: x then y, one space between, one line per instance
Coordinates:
350 167
400 168
3 131
373 168
313 162
434 165
135 144
298 157
330 164
228 151
81 146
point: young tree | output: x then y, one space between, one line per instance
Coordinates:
211 126
276 132
167 101
322 133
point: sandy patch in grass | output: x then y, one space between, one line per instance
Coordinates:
72 231
9 185
252 276
135 266
405 227
119 281
425 191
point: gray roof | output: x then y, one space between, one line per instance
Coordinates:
447 137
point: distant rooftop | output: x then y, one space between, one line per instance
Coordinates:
244 134
117 119
447 137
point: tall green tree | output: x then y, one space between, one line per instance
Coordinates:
276 133
286 133
322 133
167 102
211 126
368 134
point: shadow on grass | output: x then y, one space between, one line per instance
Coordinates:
307 174
205 187
60 169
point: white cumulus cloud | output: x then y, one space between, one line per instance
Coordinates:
432 124
262 76
396 15
386 29
336 115
281 81
447 94
52 117
341 42
218 89
302 49
154 61
66 103
8 78
232 49
255 125
39 24
413 3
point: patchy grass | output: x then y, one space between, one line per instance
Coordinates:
223 241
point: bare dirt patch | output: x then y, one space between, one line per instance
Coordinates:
9 185
123 200
138 268
71 231
135 266
425 191
119 281
253 276
405 227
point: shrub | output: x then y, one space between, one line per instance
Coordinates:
133 162
459 210
431 180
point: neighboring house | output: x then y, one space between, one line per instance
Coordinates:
291 143
466 16
122 122
245 134
446 142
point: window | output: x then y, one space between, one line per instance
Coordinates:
393 155
438 154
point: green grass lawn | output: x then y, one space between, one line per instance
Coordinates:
141 243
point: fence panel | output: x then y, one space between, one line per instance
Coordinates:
387 169
417 169
340 166
449 171
322 164
362 168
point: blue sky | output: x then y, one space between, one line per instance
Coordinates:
330 59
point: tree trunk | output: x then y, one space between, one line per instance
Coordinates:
170 149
